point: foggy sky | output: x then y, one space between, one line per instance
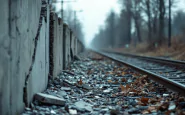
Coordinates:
95 11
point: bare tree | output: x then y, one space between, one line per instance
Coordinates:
110 28
128 4
161 20
169 24
148 11
136 14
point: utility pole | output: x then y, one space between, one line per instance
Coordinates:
62 6
62 9
169 25
75 19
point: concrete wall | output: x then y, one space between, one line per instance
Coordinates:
73 45
39 75
80 47
19 21
57 45
66 45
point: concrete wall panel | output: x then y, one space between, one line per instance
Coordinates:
66 46
57 45
38 79
18 29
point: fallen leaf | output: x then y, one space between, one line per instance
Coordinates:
164 106
80 82
152 108
122 88
110 81
127 87
111 73
145 112
123 73
134 90
144 100
123 80
89 72
181 99
153 100
116 82
168 113
140 103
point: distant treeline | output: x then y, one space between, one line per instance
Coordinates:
140 21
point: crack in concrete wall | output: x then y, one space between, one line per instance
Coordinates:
25 97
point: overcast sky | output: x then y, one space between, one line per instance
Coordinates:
94 13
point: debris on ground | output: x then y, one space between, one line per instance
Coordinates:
95 85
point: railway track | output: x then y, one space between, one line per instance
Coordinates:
170 73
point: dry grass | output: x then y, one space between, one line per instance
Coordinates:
176 51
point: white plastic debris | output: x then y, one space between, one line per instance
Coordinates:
165 95
73 111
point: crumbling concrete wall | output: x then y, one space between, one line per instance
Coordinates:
19 21
25 51
57 45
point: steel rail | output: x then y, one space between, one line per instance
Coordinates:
168 83
154 59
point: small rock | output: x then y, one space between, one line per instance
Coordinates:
55 82
32 105
181 104
86 86
127 76
81 106
172 106
27 109
97 97
35 111
41 113
77 58
66 88
47 109
142 107
133 111
53 112
114 112
96 109
107 90
62 93
133 102
54 107
104 111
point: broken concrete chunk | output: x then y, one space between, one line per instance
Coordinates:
82 105
86 86
62 93
49 99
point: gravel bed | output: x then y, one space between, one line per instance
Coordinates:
95 85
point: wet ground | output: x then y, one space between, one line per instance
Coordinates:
95 85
